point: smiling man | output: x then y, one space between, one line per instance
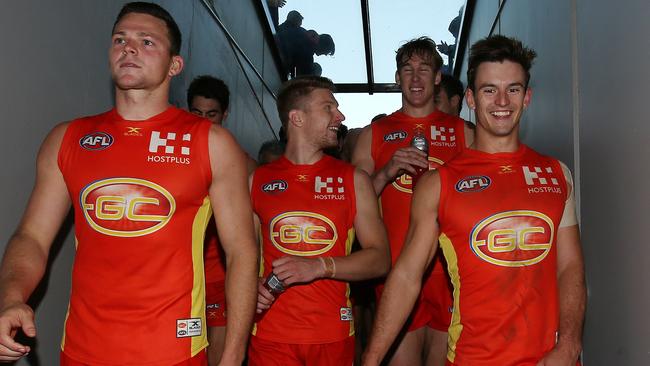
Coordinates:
309 206
384 151
143 179
505 218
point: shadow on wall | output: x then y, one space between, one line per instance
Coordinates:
40 291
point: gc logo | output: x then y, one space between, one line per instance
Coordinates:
302 233
126 207
513 238
404 183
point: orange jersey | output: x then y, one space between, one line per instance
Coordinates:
499 216
140 196
446 136
307 211
214 263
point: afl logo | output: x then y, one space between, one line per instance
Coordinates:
302 233
513 238
395 136
126 207
96 141
473 184
274 186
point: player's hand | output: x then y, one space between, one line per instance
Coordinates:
13 318
559 357
291 270
404 160
264 297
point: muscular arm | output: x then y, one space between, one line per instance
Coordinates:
572 292
402 161
405 279
373 260
26 254
233 215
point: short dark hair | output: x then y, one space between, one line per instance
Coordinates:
209 87
294 91
452 87
271 147
498 48
157 11
424 47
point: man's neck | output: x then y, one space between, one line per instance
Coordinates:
302 153
496 144
139 105
418 112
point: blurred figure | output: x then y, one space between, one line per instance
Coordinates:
449 95
270 151
209 97
298 46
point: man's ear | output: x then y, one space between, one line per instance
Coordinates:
176 66
469 98
528 97
296 117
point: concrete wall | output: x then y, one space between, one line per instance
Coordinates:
54 68
589 83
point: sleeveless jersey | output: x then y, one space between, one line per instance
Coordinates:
140 195
446 136
307 211
499 216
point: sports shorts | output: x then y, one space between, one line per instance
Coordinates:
201 359
215 304
268 353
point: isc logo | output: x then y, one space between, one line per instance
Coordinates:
302 233
395 136
274 186
473 184
126 207
96 141
513 238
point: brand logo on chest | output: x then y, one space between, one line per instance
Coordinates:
513 238
395 136
443 136
96 141
329 188
541 180
275 186
126 207
473 183
169 148
302 233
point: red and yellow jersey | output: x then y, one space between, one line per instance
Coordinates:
140 196
214 263
499 216
446 136
307 211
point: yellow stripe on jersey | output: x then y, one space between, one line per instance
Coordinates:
201 220
348 250
455 328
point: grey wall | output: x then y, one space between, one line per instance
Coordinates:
54 68
589 90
